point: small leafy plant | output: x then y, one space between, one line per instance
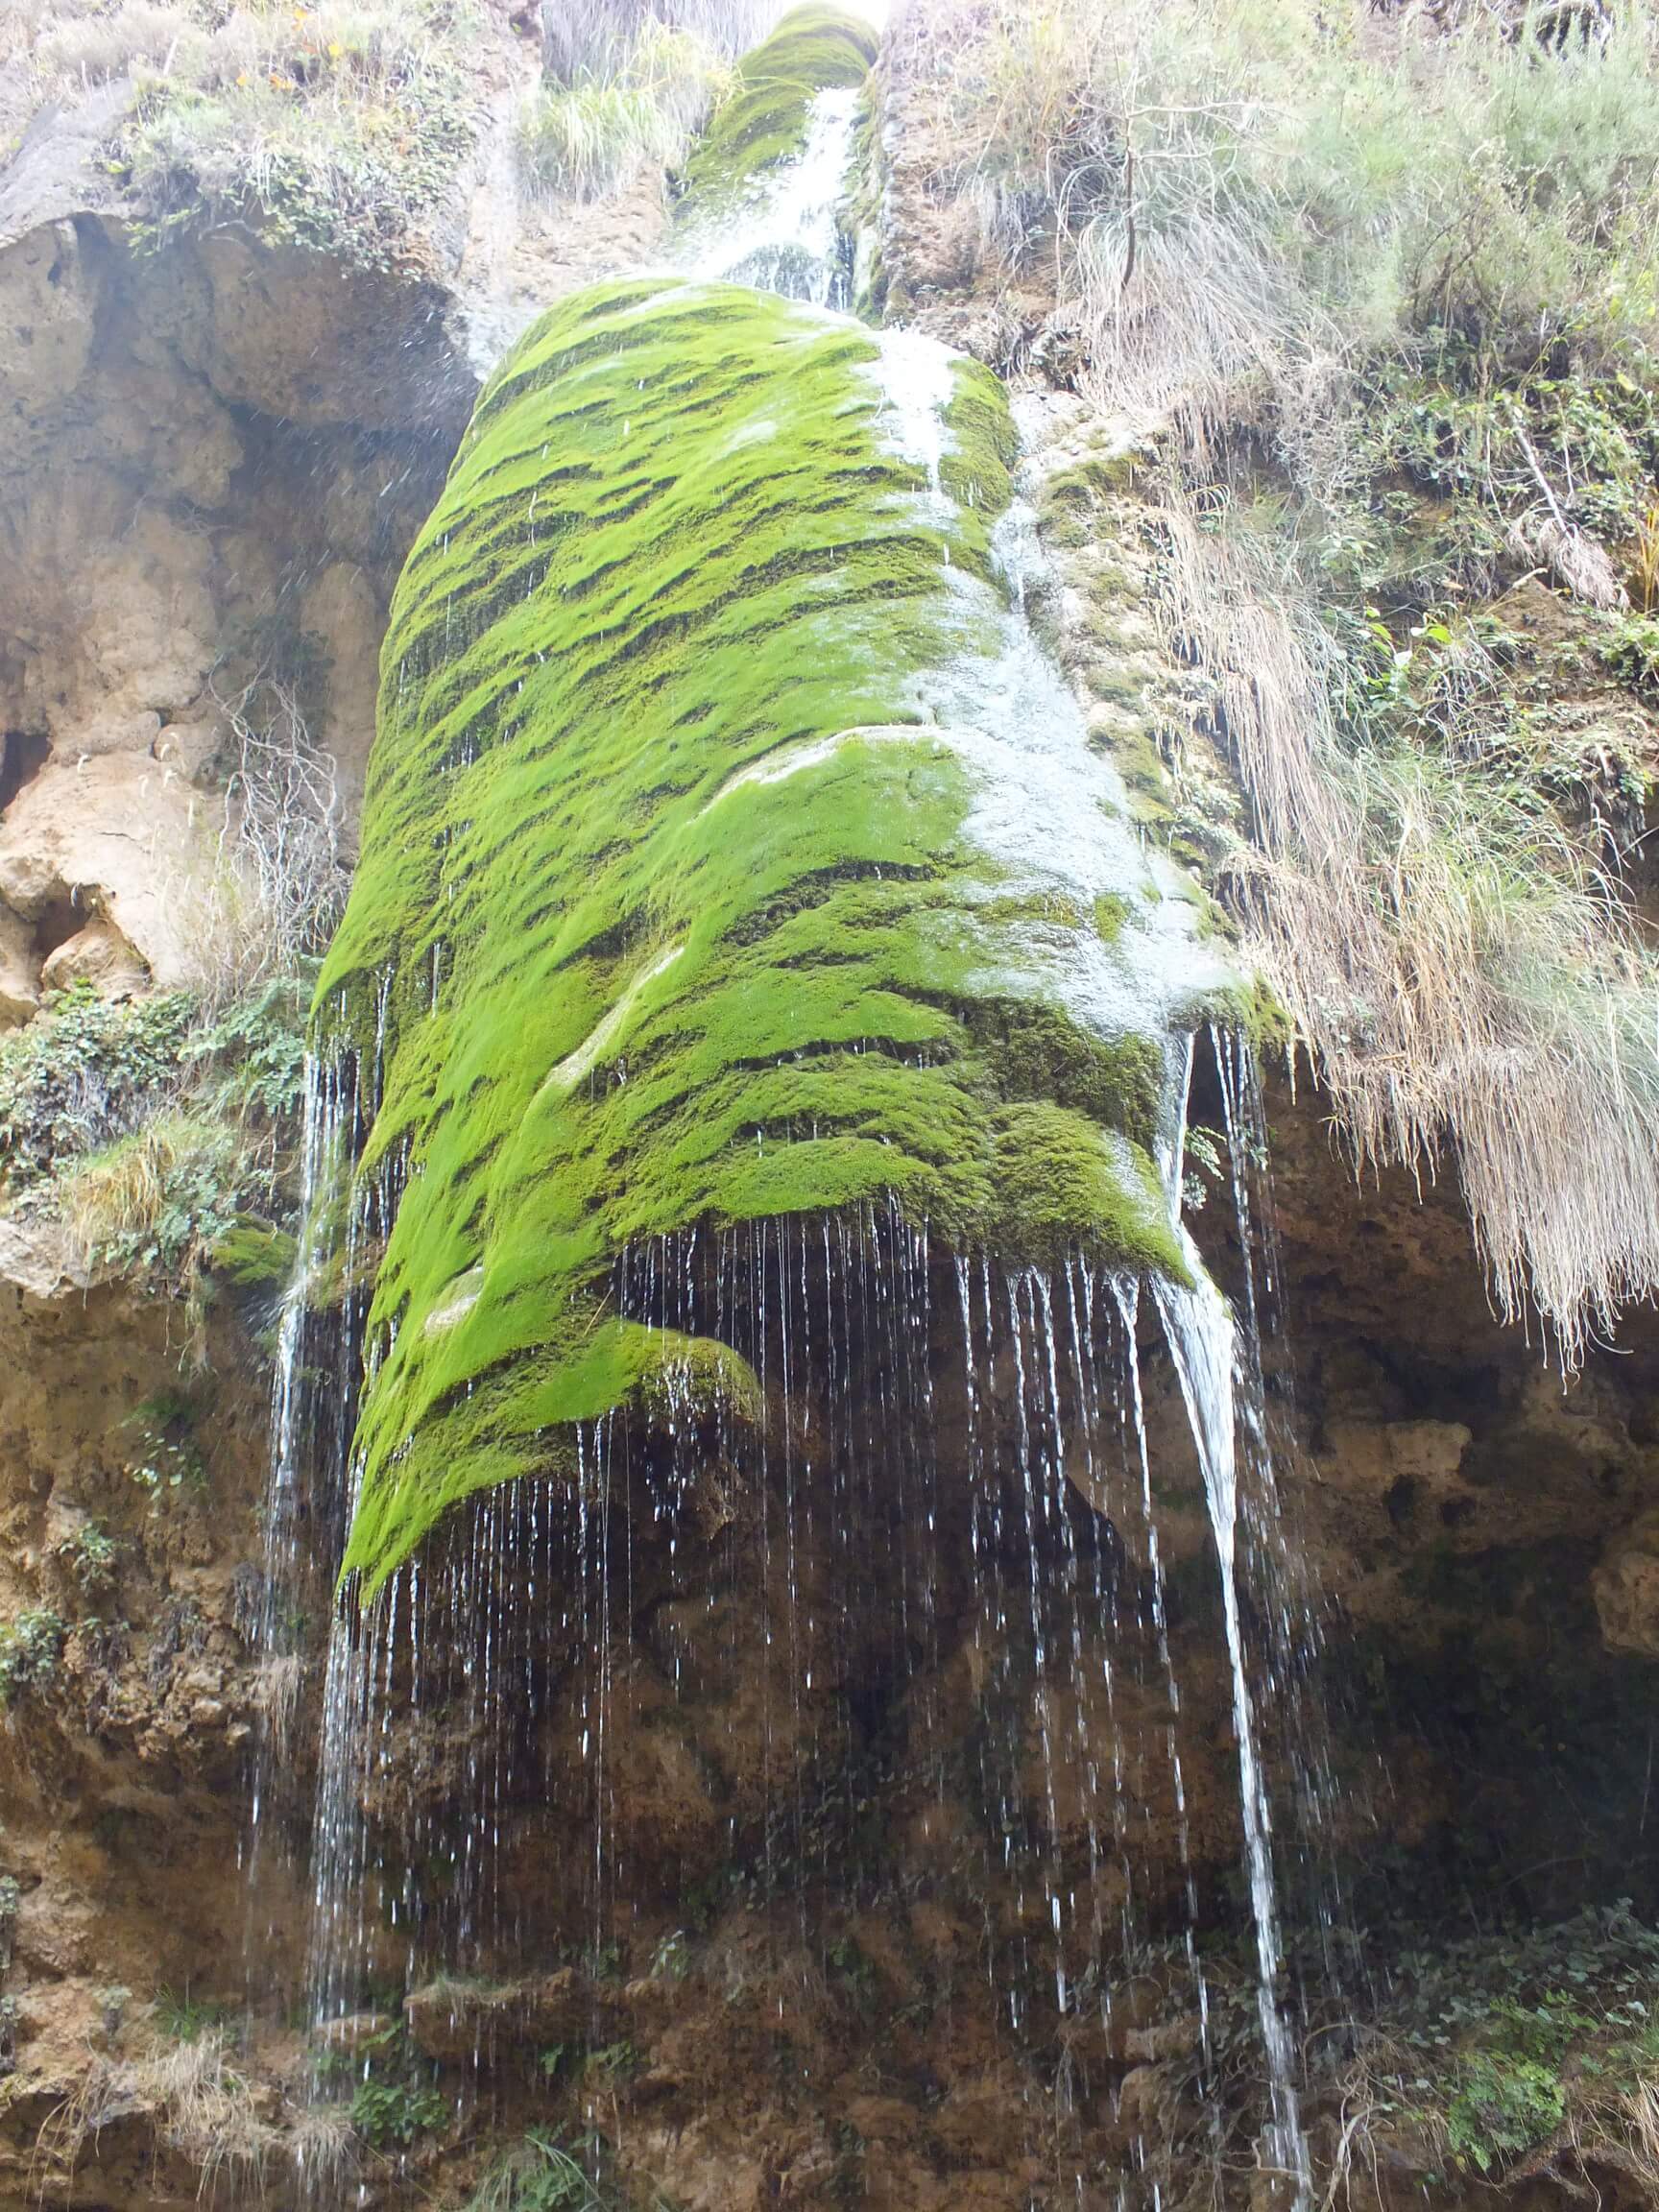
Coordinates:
541 2173
30 1647
90 1555
168 1456
394 2099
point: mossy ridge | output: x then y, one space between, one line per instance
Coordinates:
669 885
818 48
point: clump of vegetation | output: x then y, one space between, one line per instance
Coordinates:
1241 199
154 1198
394 2099
31 1647
168 1456
183 2018
1393 295
83 1074
541 2174
1539 2050
337 127
342 129
597 130
155 1131
204 2107
90 1555
596 38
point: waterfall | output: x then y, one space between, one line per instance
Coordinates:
287 1569
787 235
912 1553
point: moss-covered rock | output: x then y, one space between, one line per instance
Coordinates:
727 854
818 48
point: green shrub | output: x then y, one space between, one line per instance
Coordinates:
31 1645
336 128
183 2018
394 2099
539 2175
394 2112
90 1555
84 1073
1503 2105
1632 652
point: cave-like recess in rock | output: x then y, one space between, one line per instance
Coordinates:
671 907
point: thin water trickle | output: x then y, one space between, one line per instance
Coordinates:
1202 1338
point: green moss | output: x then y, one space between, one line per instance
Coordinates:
1036 1052
1111 913
815 49
254 1254
652 800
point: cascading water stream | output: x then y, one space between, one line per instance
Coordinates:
1215 1372
1202 1339
786 236
328 1111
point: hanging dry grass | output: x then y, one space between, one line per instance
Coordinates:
1464 975
200 2105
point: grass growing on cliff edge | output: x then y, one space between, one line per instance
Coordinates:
160 1133
666 90
339 126
1239 199
595 133
1461 963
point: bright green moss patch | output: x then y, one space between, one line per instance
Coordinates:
670 910
815 49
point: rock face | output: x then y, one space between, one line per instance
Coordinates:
107 861
212 462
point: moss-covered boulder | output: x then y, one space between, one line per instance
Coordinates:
815 49
730 852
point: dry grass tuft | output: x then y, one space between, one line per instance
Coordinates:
118 1196
1465 977
200 2105
597 40
593 133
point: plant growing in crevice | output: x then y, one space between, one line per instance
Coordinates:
168 1458
90 1555
30 1650
394 2097
541 2173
